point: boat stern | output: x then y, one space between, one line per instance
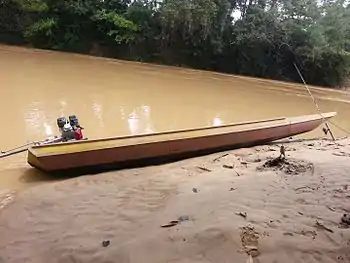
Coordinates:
309 122
329 115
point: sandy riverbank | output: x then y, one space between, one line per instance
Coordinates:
292 214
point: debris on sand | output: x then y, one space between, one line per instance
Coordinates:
282 152
231 167
322 227
171 224
290 166
345 221
304 189
184 218
331 208
205 169
242 214
228 166
195 190
221 156
308 233
249 239
244 163
105 243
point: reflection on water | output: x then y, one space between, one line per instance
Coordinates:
48 130
121 98
97 109
146 113
133 123
34 117
122 112
217 122
139 120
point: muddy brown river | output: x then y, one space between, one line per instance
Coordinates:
112 97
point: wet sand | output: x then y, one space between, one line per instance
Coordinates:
228 206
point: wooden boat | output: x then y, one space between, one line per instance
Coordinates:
131 150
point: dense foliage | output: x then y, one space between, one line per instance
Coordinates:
252 37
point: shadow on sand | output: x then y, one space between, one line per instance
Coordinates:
32 175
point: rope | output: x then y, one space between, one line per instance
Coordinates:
340 128
313 99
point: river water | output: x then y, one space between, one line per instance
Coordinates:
112 97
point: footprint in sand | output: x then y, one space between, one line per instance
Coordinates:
249 239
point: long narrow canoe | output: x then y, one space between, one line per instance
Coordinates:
131 150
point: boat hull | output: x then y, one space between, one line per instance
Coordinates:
145 149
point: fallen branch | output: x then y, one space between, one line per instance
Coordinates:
171 224
221 156
204 169
323 227
242 214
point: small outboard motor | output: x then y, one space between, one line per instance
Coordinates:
77 129
61 122
67 132
70 128
73 120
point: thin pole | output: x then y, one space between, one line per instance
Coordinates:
25 147
313 99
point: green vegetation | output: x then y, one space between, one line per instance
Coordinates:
264 41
